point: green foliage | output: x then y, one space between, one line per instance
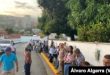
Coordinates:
84 12
10 30
95 32
54 17
91 18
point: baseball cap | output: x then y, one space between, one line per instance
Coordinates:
8 49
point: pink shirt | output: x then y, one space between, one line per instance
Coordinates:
69 58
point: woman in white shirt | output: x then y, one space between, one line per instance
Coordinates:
51 52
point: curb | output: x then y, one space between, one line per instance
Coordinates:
49 64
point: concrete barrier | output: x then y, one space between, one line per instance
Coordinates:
89 49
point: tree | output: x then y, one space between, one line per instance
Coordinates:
54 17
84 17
90 18
9 30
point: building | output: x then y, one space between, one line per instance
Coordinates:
3 33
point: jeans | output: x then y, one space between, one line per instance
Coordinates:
61 67
27 67
51 58
66 69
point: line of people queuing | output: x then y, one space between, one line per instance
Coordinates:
39 46
64 56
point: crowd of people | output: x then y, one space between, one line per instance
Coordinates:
39 46
63 56
9 62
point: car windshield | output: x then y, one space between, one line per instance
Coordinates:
4 42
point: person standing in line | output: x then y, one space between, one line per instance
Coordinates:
8 61
66 48
28 61
106 60
85 64
51 53
79 57
60 59
69 60
46 46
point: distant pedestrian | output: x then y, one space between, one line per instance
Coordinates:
46 46
29 47
8 61
51 53
28 61
13 49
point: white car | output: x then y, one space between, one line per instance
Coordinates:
6 43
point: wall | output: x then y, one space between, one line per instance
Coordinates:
25 38
89 50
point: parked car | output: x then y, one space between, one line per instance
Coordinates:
7 43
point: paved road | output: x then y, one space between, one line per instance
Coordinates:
37 67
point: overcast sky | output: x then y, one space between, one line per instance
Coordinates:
19 7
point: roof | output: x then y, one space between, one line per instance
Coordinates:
13 36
